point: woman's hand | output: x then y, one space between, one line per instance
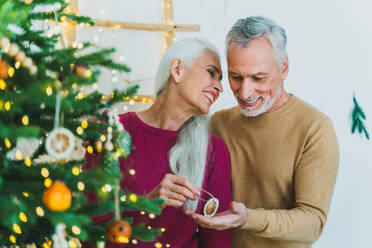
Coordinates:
174 190
231 218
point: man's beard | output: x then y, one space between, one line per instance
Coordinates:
268 102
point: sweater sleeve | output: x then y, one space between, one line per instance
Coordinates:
314 180
219 185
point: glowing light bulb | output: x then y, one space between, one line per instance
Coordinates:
22 217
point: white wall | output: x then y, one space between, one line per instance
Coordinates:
330 56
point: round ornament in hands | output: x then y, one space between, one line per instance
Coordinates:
60 143
211 207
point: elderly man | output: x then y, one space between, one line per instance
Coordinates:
284 152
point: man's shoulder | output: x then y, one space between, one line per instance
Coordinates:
307 111
225 113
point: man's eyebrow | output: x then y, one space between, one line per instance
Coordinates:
250 75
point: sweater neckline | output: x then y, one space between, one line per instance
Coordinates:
164 132
292 101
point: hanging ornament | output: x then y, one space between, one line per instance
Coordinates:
119 231
124 143
60 143
98 147
82 71
57 197
59 237
211 207
4 68
27 146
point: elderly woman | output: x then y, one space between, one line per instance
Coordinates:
173 153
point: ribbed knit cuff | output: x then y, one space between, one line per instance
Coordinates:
255 220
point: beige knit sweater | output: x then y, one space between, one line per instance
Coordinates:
284 166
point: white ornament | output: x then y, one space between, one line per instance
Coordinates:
20 56
211 207
5 42
60 143
59 237
13 50
109 146
27 146
33 69
27 62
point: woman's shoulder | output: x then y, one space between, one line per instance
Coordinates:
218 146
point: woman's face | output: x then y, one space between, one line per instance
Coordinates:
200 84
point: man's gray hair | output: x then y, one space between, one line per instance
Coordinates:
244 30
188 156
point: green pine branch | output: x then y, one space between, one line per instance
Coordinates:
358 117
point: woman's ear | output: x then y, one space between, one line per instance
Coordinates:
177 70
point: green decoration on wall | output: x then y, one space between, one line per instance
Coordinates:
358 117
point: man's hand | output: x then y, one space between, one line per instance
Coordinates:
231 218
174 190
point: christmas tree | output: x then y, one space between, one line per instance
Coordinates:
43 114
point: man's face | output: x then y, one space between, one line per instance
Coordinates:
255 77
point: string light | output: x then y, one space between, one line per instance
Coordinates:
7 106
79 130
47 182
22 217
149 227
75 171
25 194
18 155
152 216
75 230
162 229
40 211
11 72
134 241
167 245
80 95
133 197
158 245
25 120
44 172
81 186
28 161
49 90
12 239
72 244
7 143
90 149
132 172
84 124
2 84
17 229
102 138
17 64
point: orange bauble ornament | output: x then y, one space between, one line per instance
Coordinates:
119 231
4 68
57 197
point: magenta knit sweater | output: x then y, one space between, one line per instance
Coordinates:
149 159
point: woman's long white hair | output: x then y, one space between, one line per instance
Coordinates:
188 157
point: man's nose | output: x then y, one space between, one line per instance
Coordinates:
247 89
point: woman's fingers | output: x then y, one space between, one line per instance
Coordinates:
186 184
182 191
